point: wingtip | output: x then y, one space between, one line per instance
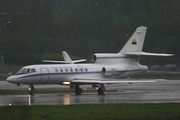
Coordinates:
158 80
172 54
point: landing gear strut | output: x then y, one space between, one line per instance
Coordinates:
101 89
71 86
31 88
78 90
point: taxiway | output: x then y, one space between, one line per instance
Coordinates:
159 92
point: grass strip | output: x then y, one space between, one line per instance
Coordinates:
18 92
148 111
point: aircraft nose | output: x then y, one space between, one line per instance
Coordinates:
10 79
146 68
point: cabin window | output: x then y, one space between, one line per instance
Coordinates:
56 70
76 69
61 70
66 70
81 69
71 70
86 69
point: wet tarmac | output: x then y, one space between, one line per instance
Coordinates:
159 92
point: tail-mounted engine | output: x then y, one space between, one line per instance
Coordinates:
112 71
106 58
113 58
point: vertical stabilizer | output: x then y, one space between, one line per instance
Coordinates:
66 57
69 60
136 41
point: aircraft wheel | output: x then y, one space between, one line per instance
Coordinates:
31 93
78 91
100 91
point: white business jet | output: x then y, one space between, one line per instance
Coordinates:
108 68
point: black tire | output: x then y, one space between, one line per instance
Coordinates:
78 91
100 91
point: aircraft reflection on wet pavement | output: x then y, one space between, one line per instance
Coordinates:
32 100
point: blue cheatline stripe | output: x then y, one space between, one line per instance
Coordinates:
49 74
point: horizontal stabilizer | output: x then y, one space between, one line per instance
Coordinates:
147 54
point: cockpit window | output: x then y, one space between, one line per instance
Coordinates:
33 70
22 71
26 70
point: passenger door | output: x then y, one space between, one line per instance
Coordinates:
44 75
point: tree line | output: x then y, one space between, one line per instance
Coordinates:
84 27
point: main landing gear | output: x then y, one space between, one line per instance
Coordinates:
78 90
31 88
100 89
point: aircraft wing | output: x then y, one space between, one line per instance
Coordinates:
76 61
110 81
147 54
53 61
65 62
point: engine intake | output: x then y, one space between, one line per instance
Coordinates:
94 58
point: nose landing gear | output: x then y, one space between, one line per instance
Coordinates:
31 89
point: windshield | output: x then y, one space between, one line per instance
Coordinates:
22 71
26 70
